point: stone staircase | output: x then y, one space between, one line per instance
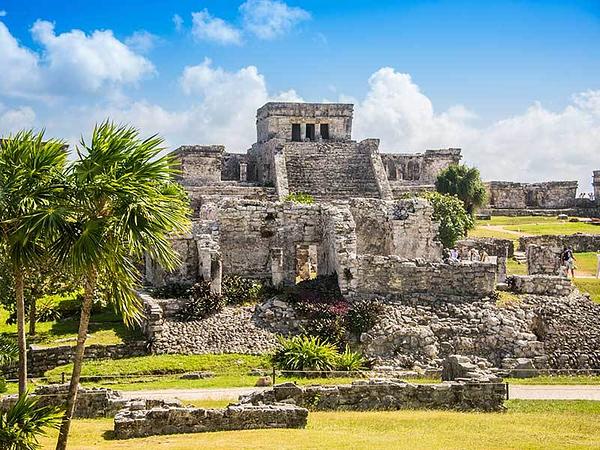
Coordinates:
521 257
328 170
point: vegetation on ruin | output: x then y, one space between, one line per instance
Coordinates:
526 424
450 213
465 183
300 197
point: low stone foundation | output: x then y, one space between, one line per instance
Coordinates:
91 403
386 395
552 286
133 422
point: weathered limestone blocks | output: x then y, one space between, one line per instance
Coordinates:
91 402
464 368
134 422
393 275
549 195
386 395
541 285
492 246
579 241
199 164
543 260
420 168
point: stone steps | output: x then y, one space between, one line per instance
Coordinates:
330 171
520 257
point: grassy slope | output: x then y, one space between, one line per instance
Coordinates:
589 285
105 329
527 424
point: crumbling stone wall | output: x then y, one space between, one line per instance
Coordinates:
136 422
541 285
199 164
542 260
402 228
550 195
503 248
423 168
580 242
393 275
386 395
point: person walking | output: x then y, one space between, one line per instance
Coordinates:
569 261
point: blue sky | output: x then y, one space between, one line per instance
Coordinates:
515 81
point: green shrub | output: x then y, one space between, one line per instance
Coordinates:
201 304
305 353
238 290
454 220
350 361
363 315
300 197
3 385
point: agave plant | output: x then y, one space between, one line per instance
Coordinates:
23 423
305 353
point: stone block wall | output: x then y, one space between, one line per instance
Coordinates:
274 120
386 395
419 167
199 164
549 285
580 242
40 359
550 195
135 423
393 275
503 248
402 228
543 260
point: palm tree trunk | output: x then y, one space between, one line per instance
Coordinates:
20 299
32 317
86 309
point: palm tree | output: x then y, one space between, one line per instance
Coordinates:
30 173
23 422
123 203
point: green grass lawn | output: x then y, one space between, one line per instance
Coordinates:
589 285
558 227
105 329
514 268
525 425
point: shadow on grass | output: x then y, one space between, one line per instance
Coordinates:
109 435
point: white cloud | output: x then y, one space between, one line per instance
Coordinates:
13 120
19 75
88 63
209 28
142 41
536 145
178 22
268 19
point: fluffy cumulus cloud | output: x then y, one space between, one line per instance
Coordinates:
142 41
535 145
71 62
13 120
209 28
268 19
88 62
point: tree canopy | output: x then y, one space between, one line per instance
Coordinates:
464 182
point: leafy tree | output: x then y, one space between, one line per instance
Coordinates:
454 220
24 422
464 182
30 173
122 203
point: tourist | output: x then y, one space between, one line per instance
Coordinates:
484 256
454 258
474 255
568 260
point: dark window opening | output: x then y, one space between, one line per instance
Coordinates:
324 131
296 132
310 131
